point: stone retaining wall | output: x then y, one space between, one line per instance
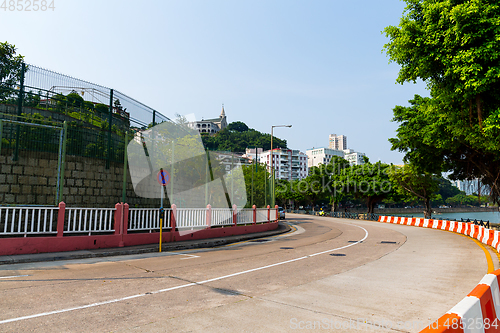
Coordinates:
87 183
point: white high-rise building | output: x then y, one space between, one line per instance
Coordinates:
288 164
317 156
337 142
354 157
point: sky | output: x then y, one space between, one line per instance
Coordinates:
317 65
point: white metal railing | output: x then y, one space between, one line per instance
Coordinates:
222 216
245 216
28 220
191 217
261 215
89 220
140 219
43 220
273 216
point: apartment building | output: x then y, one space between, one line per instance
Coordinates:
288 164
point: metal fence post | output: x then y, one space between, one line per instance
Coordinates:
20 100
110 119
1 128
62 159
125 160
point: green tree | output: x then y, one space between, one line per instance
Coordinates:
237 126
10 69
453 47
413 184
446 188
260 188
367 182
74 100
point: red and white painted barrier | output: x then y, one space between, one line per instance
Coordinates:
68 229
479 311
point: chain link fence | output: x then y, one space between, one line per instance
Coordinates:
38 110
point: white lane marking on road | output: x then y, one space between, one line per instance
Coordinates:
191 256
183 285
11 277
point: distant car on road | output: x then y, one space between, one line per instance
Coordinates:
281 213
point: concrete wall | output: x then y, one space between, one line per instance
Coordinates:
87 183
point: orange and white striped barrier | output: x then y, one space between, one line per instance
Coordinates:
479 311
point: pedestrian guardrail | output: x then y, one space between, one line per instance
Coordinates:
89 220
244 216
28 220
148 219
222 216
76 220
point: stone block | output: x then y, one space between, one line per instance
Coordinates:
30 171
93 184
41 200
43 163
3 179
4 188
10 198
89 191
17 169
81 190
70 182
6 169
79 166
79 183
32 162
26 188
70 166
73 190
11 179
42 181
86 183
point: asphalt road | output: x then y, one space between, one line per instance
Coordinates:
327 275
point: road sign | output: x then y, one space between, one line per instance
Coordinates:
163 177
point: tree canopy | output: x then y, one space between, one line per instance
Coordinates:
235 138
453 47
414 185
10 69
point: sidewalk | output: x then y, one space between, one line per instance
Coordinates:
148 248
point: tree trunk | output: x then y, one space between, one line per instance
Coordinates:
369 204
479 111
470 113
428 209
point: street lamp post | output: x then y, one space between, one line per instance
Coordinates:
272 163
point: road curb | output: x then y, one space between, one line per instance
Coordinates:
139 249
